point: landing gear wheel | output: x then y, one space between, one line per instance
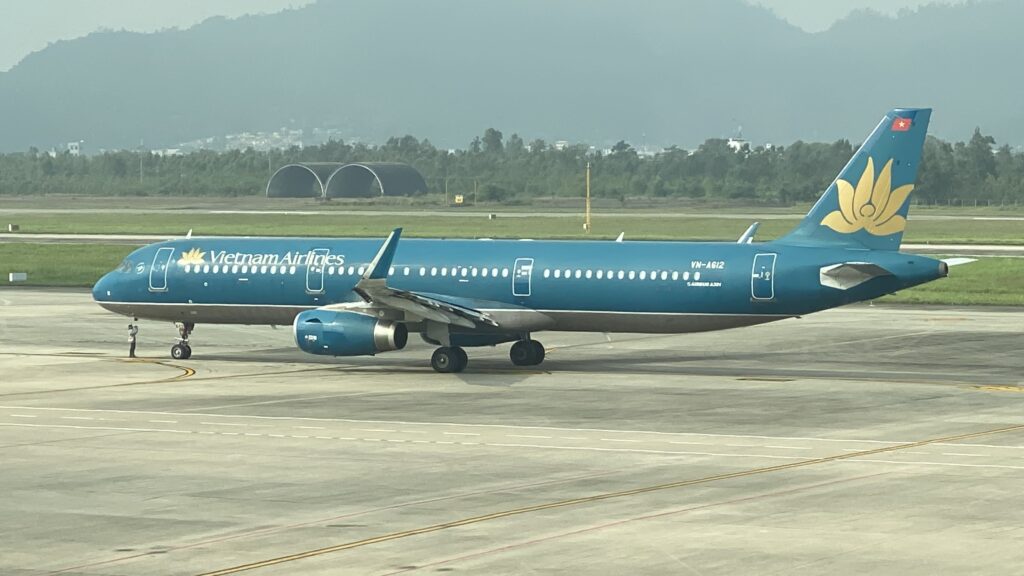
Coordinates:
537 350
526 353
180 352
463 358
448 360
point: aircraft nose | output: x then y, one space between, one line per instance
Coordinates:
102 289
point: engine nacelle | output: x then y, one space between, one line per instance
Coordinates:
342 333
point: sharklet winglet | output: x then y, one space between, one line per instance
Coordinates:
378 269
748 236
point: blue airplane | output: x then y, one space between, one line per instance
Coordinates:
355 297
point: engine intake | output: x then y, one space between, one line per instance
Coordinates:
332 333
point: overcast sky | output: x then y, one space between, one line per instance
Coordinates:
29 25
817 15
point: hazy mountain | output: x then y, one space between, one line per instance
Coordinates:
658 71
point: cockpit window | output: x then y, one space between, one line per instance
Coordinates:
125 266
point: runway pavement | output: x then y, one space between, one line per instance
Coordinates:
1004 250
883 440
472 212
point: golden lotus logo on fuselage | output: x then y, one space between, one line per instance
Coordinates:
871 206
191 257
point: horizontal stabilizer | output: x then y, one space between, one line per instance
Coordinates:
958 261
850 274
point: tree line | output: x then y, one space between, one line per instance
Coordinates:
504 170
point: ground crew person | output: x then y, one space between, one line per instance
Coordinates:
133 331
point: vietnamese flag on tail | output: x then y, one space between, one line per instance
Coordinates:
901 124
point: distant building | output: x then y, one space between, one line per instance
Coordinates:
737 144
167 152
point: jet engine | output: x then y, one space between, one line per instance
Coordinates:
341 333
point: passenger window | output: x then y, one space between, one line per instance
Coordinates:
632 274
578 274
433 271
664 275
423 271
643 274
675 275
391 271
504 272
547 272
558 273
621 274
472 273
494 272
465 271
206 269
589 274
406 271
361 269
686 275
444 271
600 274
483 272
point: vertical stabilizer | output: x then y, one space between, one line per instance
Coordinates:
866 206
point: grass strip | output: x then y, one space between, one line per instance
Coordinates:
570 226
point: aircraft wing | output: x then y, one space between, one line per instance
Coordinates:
374 291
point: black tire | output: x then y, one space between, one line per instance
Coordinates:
462 357
179 352
445 360
188 352
537 350
521 353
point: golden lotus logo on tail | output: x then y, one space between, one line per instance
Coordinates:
871 206
190 257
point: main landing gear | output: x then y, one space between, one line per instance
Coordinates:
449 359
526 353
453 359
181 350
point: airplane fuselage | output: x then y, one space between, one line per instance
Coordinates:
652 287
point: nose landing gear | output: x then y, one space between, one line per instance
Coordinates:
181 350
